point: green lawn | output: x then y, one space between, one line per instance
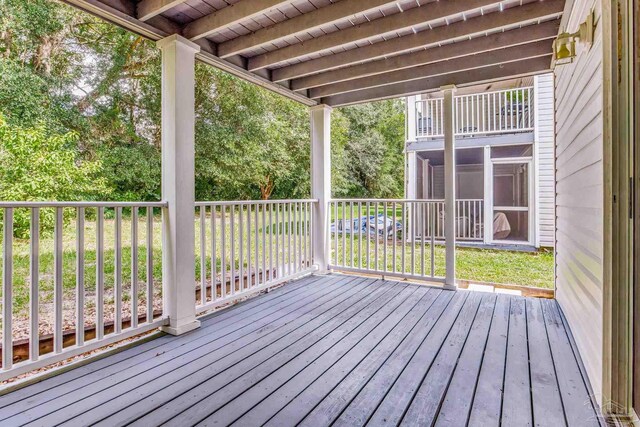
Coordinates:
482 265
523 268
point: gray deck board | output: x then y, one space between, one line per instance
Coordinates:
545 394
516 405
487 401
576 397
108 381
310 391
334 350
428 398
155 393
459 395
277 388
131 356
293 362
367 374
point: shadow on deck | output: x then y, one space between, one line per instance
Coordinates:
341 350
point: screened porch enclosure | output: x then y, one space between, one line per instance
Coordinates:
493 193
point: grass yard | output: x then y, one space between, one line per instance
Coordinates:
522 268
482 265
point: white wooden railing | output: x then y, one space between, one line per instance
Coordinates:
381 236
243 247
504 111
97 303
469 221
257 244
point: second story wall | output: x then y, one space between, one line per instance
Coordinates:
544 137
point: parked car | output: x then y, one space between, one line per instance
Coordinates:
368 225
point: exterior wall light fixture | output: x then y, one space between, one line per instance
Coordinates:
564 46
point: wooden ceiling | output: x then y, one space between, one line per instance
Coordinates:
341 52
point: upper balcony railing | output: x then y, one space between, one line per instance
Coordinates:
504 111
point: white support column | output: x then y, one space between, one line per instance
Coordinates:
412 176
321 183
178 182
411 184
411 119
488 196
449 187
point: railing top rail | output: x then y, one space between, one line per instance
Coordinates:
481 93
252 202
387 200
84 204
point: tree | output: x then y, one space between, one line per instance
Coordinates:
38 165
64 71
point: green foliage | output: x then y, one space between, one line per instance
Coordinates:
368 150
37 165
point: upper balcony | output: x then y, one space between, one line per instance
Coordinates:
478 114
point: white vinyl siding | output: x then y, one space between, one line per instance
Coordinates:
545 139
579 200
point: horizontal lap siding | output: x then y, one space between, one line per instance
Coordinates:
545 138
579 194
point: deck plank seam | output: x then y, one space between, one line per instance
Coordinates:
555 371
347 404
269 343
475 314
477 377
380 365
526 329
409 361
335 363
504 369
355 314
200 334
330 347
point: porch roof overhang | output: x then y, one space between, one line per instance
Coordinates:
341 52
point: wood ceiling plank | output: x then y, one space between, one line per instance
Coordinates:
147 9
429 12
481 75
230 15
301 23
528 13
528 34
469 63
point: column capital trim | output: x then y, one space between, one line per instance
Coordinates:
445 88
320 107
177 39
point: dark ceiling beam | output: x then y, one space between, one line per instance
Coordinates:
299 24
228 16
468 63
526 14
429 12
460 78
147 9
528 34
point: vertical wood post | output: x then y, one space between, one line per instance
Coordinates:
488 196
411 184
178 182
411 125
449 187
321 184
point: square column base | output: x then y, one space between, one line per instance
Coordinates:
181 329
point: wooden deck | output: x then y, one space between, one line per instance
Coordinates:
339 350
